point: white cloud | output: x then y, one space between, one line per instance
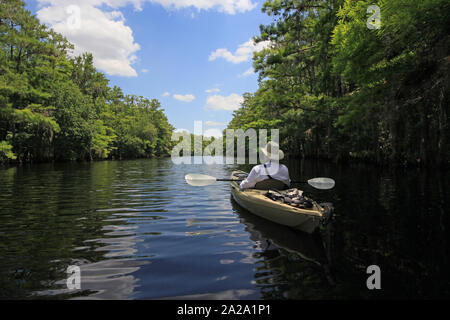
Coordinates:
215 124
103 33
243 53
227 6
144 70
212 90
218 102
100 27
180 130
184 98
166 94
247 73
213 132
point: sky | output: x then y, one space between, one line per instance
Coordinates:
194 56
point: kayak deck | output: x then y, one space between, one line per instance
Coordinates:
256 202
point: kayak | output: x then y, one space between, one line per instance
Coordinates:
255 201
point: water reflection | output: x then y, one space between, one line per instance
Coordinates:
283 249
138 231
77 214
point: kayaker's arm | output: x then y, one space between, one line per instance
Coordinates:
251 180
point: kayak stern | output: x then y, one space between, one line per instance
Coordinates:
255 201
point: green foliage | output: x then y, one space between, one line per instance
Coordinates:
341 90
53 107
140 124
6 152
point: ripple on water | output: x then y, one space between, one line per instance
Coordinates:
138 231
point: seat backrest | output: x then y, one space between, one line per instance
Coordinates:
272 184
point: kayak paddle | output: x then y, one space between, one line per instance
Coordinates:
201 180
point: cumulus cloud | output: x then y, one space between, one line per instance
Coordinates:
242 54
213 132
227 6
247 73
230 103
98 27
144 70
166 94
212 90
90 29
184 98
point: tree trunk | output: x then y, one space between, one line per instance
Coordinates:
424 141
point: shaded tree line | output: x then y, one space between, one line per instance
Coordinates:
340 90
57 107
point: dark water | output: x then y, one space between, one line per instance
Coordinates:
138 231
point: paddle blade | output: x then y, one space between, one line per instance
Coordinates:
322 183
199 180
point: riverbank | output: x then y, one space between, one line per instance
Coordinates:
344 162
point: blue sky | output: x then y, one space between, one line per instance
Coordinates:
172 50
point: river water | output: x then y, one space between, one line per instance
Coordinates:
138 231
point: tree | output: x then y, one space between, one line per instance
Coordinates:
337 89
57 107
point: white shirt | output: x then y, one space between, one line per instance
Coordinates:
259 173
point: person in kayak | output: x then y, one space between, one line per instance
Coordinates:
271 174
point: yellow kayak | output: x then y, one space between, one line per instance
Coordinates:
256 202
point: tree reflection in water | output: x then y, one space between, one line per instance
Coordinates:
291 263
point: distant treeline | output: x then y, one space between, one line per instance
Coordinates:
56 107
339 88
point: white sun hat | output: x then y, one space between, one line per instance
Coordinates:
270 151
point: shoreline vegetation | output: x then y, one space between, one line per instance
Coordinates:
335 88
54 107
341 89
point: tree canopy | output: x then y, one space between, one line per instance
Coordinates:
57 107
341 90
